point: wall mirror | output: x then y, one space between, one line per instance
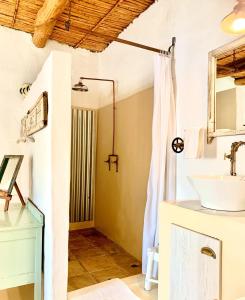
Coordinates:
8 173
226 103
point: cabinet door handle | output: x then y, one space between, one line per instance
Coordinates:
209 252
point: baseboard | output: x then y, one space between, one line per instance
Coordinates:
81 225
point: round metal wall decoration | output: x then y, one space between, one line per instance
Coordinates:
178 145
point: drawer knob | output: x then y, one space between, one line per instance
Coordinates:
209 252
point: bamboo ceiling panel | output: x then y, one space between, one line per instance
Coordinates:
109 17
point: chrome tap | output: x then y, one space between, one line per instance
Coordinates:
232 156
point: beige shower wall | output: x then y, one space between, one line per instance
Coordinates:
120 197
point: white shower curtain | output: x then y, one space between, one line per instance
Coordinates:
162 181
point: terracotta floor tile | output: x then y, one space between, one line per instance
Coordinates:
80 244
89 232
71 256
78 282
109 246
99 239
97 263
108 274
124 259
128 263
75 269
73 235
91 252
94 258
76 235
132 270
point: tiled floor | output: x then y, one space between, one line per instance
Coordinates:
93 258
135 284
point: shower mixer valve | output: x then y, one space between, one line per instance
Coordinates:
112 159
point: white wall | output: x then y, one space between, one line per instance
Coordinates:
46 168
224 83
86 64
240 93
227 83
194 42
50 168
121 197
21 62
196 25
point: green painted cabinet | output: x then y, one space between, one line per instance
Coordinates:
21 247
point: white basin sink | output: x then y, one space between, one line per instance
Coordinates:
220 192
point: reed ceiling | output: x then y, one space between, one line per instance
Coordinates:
232 63
109 17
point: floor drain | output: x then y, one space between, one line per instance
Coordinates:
134 265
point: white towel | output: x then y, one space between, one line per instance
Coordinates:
194 139
114 289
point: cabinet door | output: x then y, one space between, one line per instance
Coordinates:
195 266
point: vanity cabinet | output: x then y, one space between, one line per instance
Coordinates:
195 265
21 247
189 236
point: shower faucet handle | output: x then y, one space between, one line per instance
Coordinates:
115 161
108 161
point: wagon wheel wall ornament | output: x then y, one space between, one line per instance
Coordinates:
178 145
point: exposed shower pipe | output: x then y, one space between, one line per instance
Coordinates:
114 105
113 158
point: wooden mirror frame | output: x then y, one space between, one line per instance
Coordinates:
16 171
7 194
212 73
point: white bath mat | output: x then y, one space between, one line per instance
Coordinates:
114 289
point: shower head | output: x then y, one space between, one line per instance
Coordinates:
80 87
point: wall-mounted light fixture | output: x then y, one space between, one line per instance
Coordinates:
25 88
234 23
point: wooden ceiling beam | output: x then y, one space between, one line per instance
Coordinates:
231 73
233 68
109 17
46 20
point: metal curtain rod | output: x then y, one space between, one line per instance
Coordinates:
130 43
97 79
